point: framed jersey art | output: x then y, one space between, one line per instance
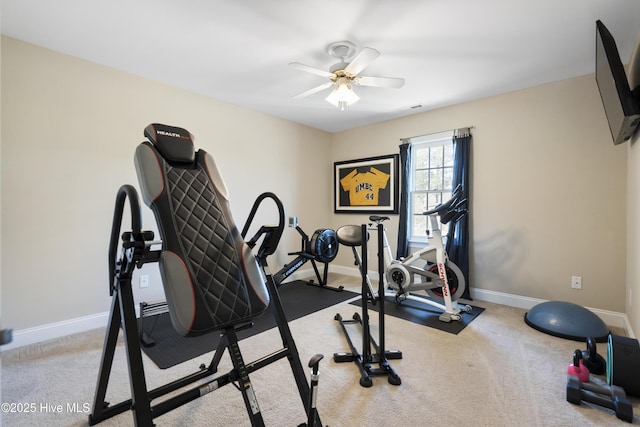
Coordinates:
366 185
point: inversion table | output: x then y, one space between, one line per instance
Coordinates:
213 279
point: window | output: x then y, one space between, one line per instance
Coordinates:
431 179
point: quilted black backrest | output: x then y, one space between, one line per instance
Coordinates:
210 276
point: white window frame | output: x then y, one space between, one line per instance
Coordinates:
433 140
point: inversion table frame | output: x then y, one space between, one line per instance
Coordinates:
136 251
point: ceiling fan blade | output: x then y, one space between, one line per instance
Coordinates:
362 60
313 90
390 82
312 70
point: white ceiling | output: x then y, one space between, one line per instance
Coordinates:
238 51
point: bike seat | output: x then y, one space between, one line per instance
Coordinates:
350 235
378 219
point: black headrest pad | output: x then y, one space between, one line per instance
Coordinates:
173 143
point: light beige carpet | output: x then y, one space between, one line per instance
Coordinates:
497 372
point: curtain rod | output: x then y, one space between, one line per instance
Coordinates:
442 131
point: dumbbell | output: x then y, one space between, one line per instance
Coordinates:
612 397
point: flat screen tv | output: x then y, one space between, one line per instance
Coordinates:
621 104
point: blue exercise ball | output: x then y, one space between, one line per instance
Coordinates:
567 320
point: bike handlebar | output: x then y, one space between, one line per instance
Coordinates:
452 208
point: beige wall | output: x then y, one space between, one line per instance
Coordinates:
633 236
69 131
548 190
633 210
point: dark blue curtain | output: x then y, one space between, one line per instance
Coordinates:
405 173
457 245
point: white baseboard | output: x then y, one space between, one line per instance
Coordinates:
56 330
85 323
610 318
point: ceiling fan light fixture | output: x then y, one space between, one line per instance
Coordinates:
342 95
343 75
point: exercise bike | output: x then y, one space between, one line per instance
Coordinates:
429 269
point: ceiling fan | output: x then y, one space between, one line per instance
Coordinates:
343 75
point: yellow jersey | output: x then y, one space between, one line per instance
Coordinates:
363 188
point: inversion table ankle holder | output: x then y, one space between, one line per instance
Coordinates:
212 279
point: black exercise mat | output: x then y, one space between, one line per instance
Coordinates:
424 314
298 300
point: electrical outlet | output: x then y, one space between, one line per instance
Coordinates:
293 221
576 282
144 281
